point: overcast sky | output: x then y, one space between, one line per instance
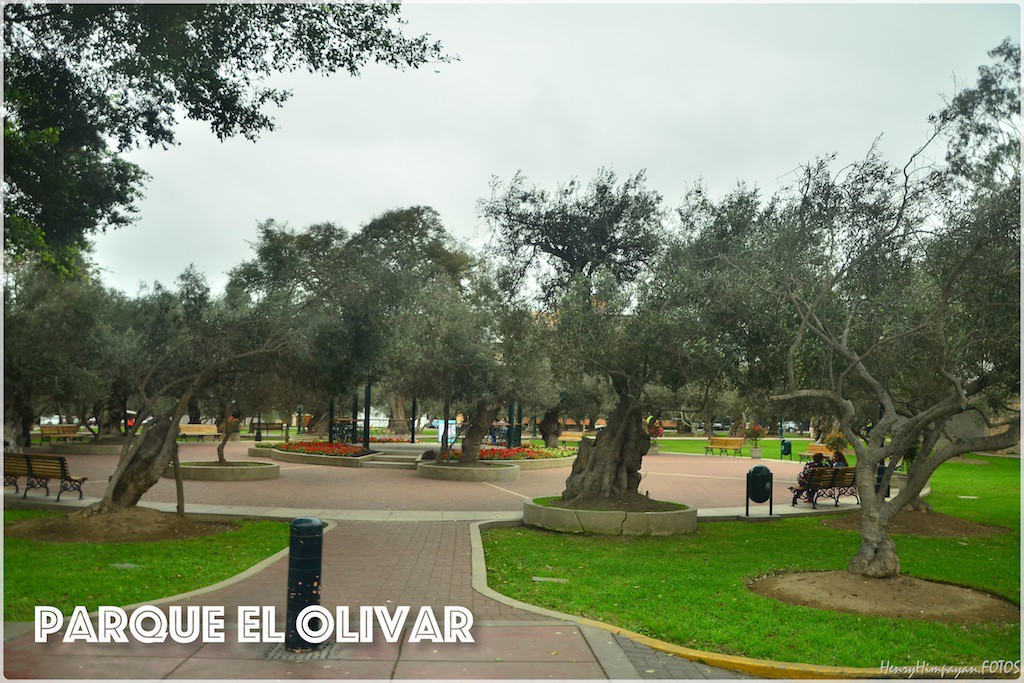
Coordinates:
723 93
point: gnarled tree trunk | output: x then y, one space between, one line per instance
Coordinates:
877 556
610 464
479 424
18 419
194 415
228 424
398 420
142 467
550 428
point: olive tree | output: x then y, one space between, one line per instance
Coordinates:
589 250
51 344
192 341
64 134
901 289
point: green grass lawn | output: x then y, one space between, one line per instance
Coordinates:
68 574
770 448
691 590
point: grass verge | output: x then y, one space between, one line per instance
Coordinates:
68 574
692 590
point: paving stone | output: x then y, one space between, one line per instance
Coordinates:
652 664
399 539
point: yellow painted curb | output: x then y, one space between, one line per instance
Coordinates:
762 668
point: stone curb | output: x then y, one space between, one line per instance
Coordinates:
327 460
230 581
762 668
487 473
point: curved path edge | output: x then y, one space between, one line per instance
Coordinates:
763 668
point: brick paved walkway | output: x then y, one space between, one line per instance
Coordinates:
398 539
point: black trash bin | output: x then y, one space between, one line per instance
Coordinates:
787 448
759 486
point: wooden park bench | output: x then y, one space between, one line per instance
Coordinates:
724 444
198 431
38 471
67 432
266 426
830 482
15 466
816 448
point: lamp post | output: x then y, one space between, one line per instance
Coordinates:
444 429
353 434
298 425
330 421
412 422
509 429
366 418
519 425
259 427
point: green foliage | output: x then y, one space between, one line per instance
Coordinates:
754 433
63 130
53 334
835 442
892 285
608 228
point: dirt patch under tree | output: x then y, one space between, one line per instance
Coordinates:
128 526
626 502
933 524
904 597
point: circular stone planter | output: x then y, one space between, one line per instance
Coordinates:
233 471
83 448
497 472
537 464
313 459
612 523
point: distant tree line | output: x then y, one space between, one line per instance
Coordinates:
883 297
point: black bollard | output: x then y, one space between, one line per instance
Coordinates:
305 556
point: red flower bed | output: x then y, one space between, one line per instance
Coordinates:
519 453
320 448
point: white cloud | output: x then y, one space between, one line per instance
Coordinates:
722 92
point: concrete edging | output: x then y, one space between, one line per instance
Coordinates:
231 580
762 668
210 471
311 459
613 523
432 470
83 448
535 464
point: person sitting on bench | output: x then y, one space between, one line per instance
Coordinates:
839 460
801 479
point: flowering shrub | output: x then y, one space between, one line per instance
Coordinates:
755 433
835 442
320 448
520 453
